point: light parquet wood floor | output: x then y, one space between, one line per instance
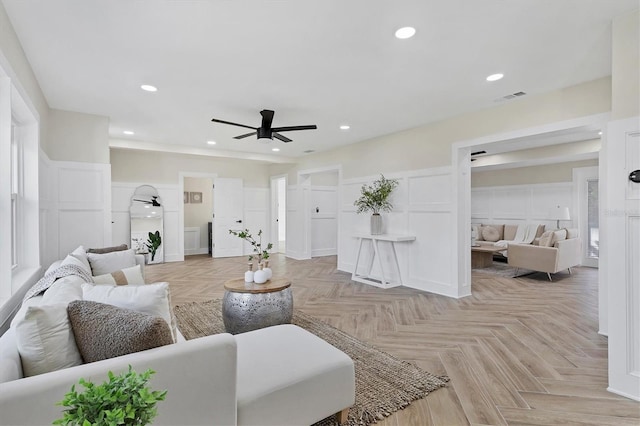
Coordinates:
519 351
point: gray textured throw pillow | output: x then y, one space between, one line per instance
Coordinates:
105 331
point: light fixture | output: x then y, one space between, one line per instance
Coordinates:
128 132
275 149
600 133
345 127
405 32
147 207
149 88
559 213
495 77
211 142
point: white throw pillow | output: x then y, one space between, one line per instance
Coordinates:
151 299
45 340
127 276
64 290
81 255
110 262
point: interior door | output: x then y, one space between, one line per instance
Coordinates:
228 214
587 181
622 269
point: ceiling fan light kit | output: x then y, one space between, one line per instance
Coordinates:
266 133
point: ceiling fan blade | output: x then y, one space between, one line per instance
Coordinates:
280 137
245 135
215 120
144 201
267 118
290 128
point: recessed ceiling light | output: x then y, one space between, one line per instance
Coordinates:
345 127
405 32
600 133
147 207
149 88
275 149
211 142
495 77
128 132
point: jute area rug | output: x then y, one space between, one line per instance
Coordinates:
384 383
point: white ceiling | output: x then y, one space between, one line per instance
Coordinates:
318 62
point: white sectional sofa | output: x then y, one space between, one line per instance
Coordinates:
280 375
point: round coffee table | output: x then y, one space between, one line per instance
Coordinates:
250 306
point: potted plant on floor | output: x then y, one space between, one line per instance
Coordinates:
123 400
374 198
153 243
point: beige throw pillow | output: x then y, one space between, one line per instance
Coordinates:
545 239
110 262
489 233
560 234
104 331
128 276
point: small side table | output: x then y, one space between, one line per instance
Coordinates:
250 306
366 277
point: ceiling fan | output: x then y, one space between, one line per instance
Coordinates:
265 131
154 201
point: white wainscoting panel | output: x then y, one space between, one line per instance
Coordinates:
192 241
521 204
83 205
422 208
295 223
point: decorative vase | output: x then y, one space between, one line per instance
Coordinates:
260 277
376 224
267 270
248 276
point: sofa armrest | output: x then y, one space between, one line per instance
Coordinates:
569 253
140 261
199 376
535 258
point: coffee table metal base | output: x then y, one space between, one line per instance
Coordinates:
242 312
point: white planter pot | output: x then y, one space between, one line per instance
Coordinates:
376 224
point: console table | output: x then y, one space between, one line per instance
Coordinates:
366 278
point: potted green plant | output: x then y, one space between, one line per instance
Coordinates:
264 273
122 400
153 243
374 198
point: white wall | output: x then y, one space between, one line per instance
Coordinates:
522 204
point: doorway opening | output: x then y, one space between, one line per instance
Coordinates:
279 213
197 212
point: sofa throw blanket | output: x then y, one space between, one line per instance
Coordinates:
525 234
63 271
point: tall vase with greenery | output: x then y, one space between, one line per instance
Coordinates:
374 198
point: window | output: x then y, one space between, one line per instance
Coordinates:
593 230
15 196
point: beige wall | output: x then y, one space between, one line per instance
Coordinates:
625 66
324 179
160 167
80 137
549 173
430 145
14 61
199 215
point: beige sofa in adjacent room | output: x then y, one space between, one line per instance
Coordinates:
555 251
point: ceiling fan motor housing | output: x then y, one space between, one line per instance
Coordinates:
265 133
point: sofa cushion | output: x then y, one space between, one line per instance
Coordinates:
45 340
152 299
104 250
480 237
81 255
110 262
571 233
558 235
489 233
64 290
127 276
510 232
105 331
73 260
545 239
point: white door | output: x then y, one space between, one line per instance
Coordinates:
622 268
228 214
